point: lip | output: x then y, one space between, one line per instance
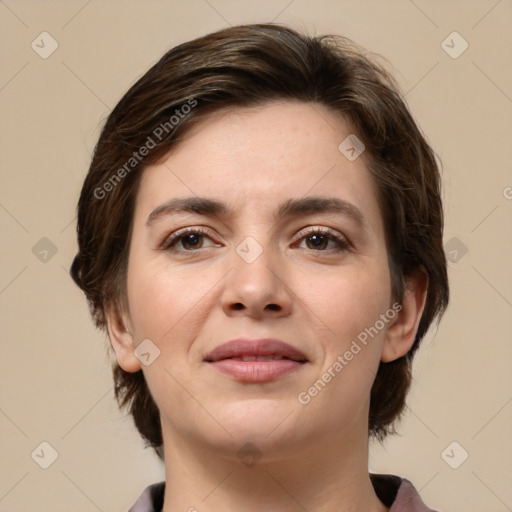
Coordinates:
228 359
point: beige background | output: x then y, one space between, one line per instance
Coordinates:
55 377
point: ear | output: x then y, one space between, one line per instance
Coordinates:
402 332
121 339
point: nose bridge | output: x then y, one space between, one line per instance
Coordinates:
256 280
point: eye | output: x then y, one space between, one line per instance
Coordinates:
320 237
192 239
189 238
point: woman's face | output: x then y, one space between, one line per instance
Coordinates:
252 273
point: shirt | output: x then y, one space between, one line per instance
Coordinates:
394 491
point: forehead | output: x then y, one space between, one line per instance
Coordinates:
255 158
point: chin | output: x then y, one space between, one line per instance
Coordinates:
264 422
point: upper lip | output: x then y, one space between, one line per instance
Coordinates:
241 347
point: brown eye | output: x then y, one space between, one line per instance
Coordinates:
190 239
318 240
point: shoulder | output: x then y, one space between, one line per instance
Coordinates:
395 492
150 500
398 493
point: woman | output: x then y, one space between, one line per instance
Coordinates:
260 233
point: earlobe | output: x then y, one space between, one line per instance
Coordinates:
401 334
121 339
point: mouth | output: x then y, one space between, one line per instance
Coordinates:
246 358
256 360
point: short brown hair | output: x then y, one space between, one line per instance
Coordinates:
251 65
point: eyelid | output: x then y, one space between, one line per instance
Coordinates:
176 235
340 238
320 229
335 236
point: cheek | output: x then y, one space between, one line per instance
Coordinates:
153 301
348 307
351 301
165 301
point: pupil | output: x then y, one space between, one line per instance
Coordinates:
318 238
191 239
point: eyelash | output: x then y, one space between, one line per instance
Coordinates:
170 241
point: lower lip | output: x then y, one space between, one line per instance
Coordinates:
256 371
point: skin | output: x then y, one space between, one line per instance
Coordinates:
192 299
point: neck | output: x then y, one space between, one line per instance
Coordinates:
325 477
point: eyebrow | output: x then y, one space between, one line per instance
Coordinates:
290 208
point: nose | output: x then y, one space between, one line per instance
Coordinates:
256 288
